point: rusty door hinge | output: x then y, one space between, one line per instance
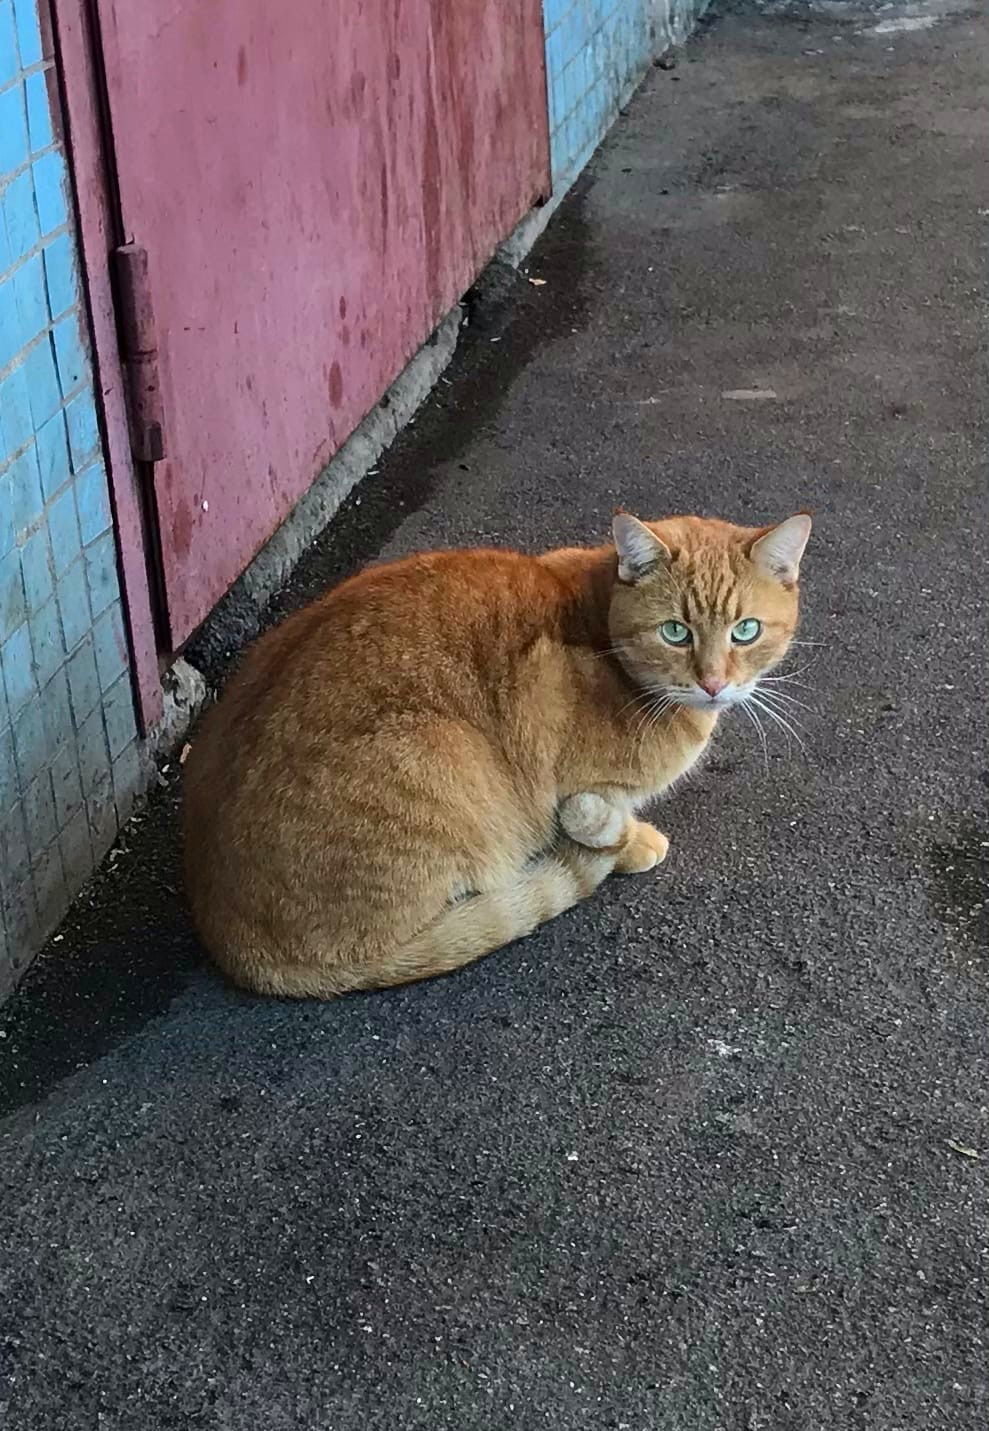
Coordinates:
139 351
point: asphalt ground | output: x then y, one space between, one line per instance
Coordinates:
707 1153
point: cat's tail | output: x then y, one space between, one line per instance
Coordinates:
465 931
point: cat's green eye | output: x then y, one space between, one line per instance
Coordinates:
674 633
745 632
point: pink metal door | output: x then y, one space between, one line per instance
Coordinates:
315 185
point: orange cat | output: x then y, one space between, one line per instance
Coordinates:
444 752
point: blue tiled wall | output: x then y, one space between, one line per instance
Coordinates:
69 758
596 51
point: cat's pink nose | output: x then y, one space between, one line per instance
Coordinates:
712 686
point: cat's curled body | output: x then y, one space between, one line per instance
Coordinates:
444 752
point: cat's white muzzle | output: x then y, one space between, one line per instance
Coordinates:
698 700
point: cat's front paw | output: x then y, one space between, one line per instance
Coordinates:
644 848
590 820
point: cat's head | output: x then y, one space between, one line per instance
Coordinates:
701 609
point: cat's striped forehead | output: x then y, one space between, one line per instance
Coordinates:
711 583
710 577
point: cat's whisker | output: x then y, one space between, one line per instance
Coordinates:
781 701
639 696
788 731
784 696
761 733
786 677
771 682
659 710
792 710
660 704
648 719
640 724
794 671
780 720
647 698
771 693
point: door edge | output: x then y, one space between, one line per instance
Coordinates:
76 52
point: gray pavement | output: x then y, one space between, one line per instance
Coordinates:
700 1156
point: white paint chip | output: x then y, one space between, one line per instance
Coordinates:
749 394
905 23
723 1049
962 1148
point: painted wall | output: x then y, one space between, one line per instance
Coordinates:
69 758
596 52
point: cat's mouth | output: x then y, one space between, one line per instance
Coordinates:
696 699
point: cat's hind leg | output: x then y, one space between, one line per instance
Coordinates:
463 931
483 922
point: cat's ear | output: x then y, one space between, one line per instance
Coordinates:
640 551
778 551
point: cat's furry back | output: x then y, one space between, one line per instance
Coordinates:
444 752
